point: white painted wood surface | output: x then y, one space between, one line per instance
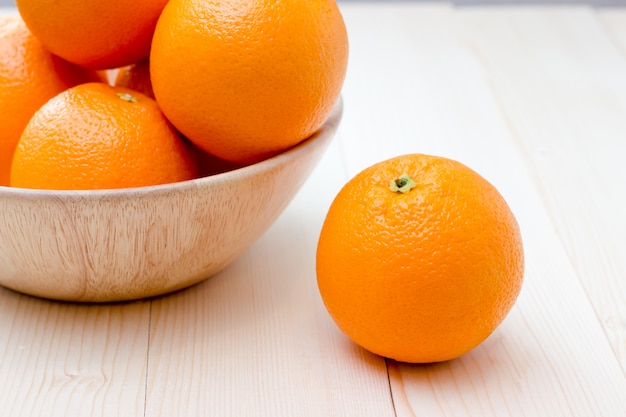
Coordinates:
534 99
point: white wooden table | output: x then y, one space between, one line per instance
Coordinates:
534 99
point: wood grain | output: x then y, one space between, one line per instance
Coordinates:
67 360
563 91
255 339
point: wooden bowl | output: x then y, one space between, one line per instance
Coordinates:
114 245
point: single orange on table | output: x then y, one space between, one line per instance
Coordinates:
419 259
95 136
93 33
29 76
246 79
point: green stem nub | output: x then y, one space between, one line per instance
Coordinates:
127 97
403 184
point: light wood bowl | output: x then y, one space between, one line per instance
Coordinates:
115 245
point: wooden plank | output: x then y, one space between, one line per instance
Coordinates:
563 90
447 83
59 359
614 22
255 340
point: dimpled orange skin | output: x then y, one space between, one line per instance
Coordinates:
29 76
93 33
95 136
244 80
423 276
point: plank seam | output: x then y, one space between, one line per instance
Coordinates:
393 403
145 388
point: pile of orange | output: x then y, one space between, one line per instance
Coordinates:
102 94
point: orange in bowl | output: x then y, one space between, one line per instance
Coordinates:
95 136
29 76
93 33
246 79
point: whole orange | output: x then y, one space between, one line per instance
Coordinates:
95 136
93 33
246 79
29 76
419 259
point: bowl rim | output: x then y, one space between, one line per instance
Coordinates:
317 138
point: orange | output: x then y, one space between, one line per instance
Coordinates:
136 77
246 79
93 33
419 259
29 76
95 136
